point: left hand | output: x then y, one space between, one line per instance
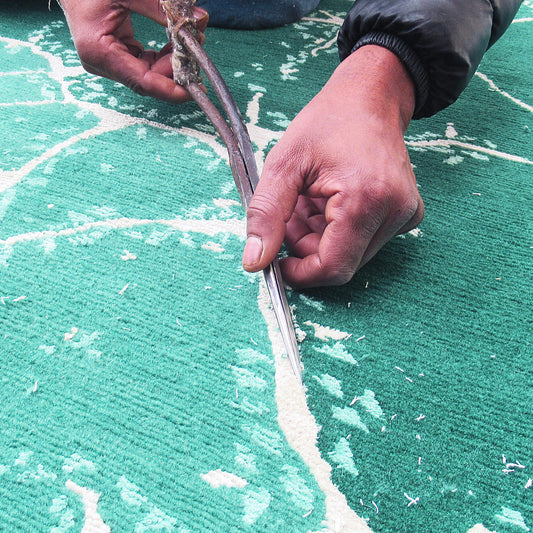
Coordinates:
103 35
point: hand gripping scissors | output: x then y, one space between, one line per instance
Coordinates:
187 60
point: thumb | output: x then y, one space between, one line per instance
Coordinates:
268 213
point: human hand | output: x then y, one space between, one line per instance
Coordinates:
103 36
339 183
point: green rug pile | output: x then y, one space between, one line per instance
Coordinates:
143 385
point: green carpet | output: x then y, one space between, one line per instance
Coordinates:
142 381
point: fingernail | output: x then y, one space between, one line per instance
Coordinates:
252 251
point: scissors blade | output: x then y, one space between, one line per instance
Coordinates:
272 273
244 169
246 181
283 315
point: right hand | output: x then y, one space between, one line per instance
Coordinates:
339 183
103 35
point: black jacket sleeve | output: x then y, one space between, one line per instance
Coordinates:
440 42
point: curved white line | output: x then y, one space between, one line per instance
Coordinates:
233 226
468 146
9 178
110 119
301 430
333 19
326 46
93 521
503 93
30 103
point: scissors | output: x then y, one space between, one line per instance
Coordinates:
188 58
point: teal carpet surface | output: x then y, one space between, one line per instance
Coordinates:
143 385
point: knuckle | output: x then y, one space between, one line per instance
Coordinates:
406 210
89 53
393 199
420 212
277 161
261 210
378 192
410 209
88 67
136 87
286 156
342 277
415 219
336 272
137 84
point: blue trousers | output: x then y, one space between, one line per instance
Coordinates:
255 14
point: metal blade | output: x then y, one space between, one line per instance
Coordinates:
283 315
244 169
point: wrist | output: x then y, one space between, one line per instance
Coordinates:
375 78
409 59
